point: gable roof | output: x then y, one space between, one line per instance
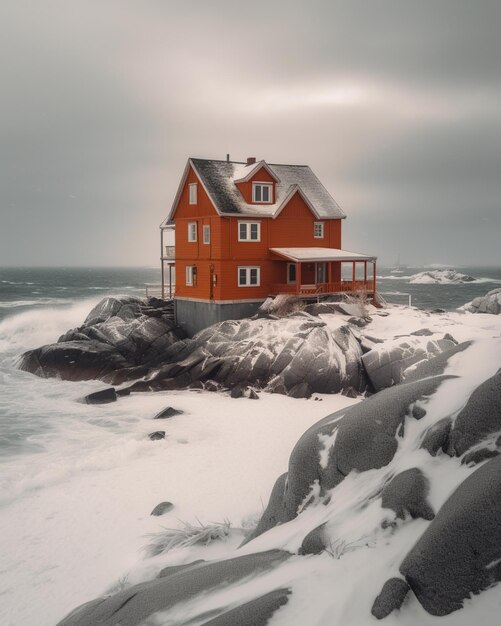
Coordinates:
218 178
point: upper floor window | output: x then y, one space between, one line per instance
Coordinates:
249 276
249 231
206 233
189 275
193 193
318 230
262 192
192 231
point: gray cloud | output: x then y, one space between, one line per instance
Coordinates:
393 104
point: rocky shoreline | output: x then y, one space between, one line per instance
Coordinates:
423 419
129 340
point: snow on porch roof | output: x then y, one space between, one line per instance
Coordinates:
320 254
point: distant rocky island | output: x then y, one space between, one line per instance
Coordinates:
441 277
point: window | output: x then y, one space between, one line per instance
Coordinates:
193 193
192 231
249 231
318 230
249 276
291 273
262 192
189 275
206 233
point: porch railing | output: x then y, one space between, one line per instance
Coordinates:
323 288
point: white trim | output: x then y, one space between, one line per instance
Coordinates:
248 223
322 230
192 193
189 164
248 269
205 231
262 184
192 239
189 275
291 282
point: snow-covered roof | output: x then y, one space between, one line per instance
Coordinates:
219 181
320 254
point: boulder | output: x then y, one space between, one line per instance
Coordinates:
120 340
436 438
158 434
390 598
458 554
134 605
361 437
490 303
104 396
386 363
479 419
162 508
168 412
407 493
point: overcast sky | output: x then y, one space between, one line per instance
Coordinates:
396 105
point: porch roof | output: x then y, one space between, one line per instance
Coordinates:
303 255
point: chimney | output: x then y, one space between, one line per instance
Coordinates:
227 158
251 160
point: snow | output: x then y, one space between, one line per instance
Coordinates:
75 516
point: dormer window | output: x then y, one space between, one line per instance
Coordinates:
193 193
262 192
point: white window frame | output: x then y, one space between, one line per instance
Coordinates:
248 231
206 233
259 184
189 275
192 233
321 226
289 281
248 269
193 193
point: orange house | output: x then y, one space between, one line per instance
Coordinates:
246 231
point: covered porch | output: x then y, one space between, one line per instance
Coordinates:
311 272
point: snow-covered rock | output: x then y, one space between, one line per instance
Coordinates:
362 501
121 338
490 303
441 277
299 354
386 363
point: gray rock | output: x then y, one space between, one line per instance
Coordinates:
490 303
174 569
162 508
406 493
365 439
390 598
386 364
477 456
158 434
314 542
458 554
168 412
436 437
134 605
436 365
301 390
104 396
480 418
257 612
